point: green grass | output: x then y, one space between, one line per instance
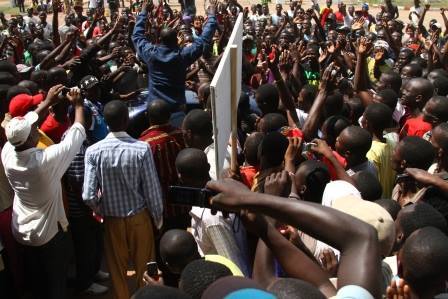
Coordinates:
8 10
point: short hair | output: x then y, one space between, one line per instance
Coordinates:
251 148
199 122
32 86
309 93
178 247
55 74
390 206
192 162
159 112
317 177
394 80
268 94
199 275
7 78
419 215
359 140
16 90
116 115
286 288
415 70
378 116
273 122
159 292
417 152
273 148
424 257
389 96
168 37
441 86
440 107
424 87
438 200
368 185
333 103
443 141
333 126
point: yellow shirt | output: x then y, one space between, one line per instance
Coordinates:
44 140
381 155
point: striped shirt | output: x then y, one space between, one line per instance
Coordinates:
120 178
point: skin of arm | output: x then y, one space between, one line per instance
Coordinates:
360 262
55 24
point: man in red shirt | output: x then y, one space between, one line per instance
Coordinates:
166 142
416 93
57 121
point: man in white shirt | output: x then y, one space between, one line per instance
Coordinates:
415 12
213 233
39 222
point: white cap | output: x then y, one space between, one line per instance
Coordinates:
18 129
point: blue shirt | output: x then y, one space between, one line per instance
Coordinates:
120 178
167 67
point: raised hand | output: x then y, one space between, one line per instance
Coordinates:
364 46
379 55
74 96
294 147
398 290
358 23
52 95
321 147
231 194
278 184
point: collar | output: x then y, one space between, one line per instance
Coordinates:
120 134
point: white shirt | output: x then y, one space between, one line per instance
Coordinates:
210 152
414 18
35 176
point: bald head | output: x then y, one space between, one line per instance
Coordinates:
159 112
177 249
422 87
192 164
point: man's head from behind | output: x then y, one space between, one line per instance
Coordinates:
177 249
197 129
353 143
424 261
439 139
192 167
159 112
116 116
168 37
436 110
267 98
416 216
285 288
199 274
310 180
159 292
272 149
413 152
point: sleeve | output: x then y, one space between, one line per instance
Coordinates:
224 243
193 52
151 188
90 186
141 43
58 157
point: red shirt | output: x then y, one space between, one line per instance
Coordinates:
53 128
415 126
166 142
331 169
247 175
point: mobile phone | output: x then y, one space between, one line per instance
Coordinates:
152 270
306 151
63 93
189 196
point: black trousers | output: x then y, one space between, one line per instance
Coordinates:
88 244
46 267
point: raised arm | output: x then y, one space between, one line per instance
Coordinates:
360 262
55 22
193 52
142 45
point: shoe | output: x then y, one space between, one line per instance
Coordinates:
96 289
102 276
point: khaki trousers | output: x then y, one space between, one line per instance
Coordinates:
129 238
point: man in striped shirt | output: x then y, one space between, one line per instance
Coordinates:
122 185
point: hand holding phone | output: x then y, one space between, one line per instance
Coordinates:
152 270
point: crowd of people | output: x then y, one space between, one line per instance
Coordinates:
340 189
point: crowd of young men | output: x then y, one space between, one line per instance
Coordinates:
342 184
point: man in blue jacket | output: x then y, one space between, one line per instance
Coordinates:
167 62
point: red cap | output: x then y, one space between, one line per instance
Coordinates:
23 103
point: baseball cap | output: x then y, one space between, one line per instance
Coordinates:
381 44
88 82
18 129
22 103
372 214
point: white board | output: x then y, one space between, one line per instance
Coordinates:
221 93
